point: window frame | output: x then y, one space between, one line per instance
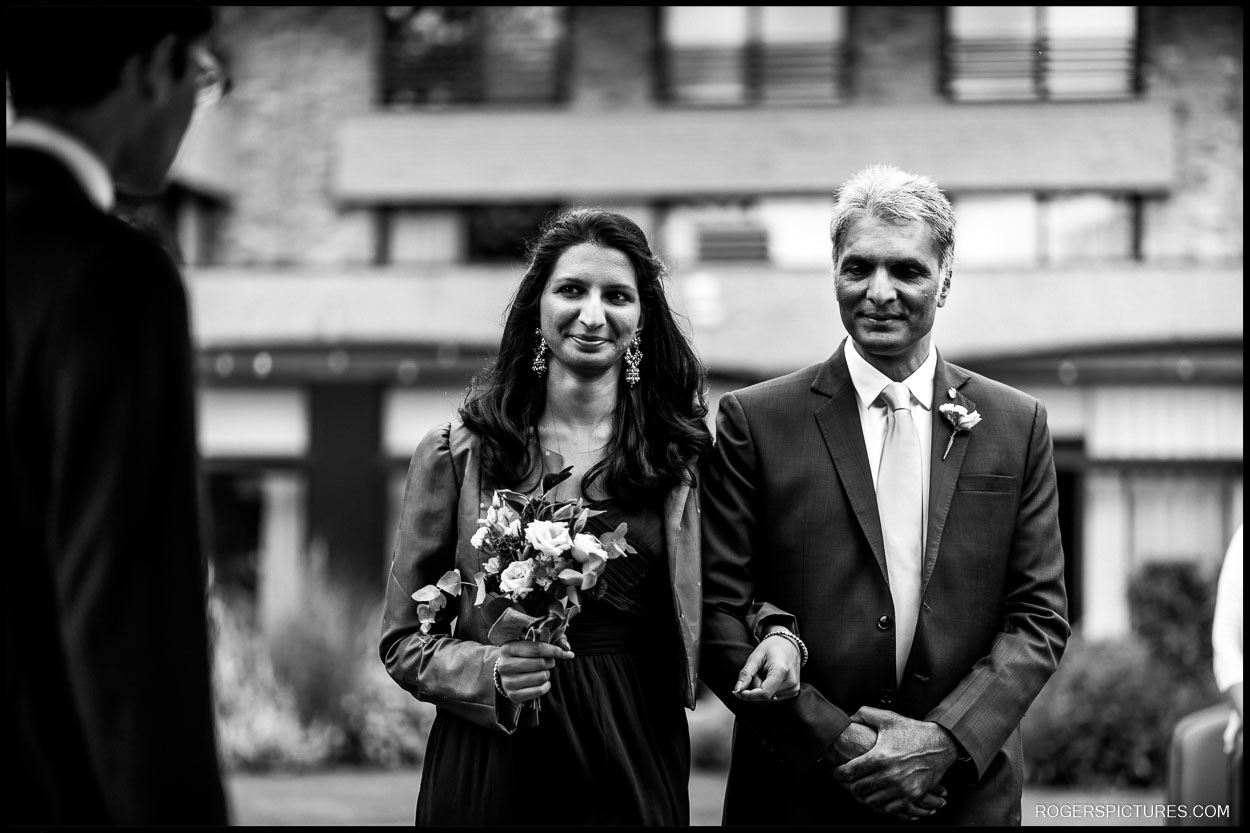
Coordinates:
751 63
1039 89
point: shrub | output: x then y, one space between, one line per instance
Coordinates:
258 722
1106 717
315 693
1171 605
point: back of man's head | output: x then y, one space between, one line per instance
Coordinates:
70 57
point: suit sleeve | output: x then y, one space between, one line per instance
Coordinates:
124 537
798 731
987 706
454 674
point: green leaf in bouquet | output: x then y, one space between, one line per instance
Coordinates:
480 580
427 612
512 623
515 500
427 594
550 481
450 582
563 513
586 514
614 542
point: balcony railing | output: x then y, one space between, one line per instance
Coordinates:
1019 69
754 73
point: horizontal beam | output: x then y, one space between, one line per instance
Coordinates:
534 155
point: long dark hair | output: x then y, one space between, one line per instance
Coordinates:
661 421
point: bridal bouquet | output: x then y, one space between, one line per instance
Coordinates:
536 563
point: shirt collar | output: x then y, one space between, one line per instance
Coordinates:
81 161
869 382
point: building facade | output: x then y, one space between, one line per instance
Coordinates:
352 218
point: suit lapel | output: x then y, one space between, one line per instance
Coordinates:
843 433
943 473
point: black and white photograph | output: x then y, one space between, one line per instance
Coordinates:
471 416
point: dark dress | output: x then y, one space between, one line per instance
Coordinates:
611 746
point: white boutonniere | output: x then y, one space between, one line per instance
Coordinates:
960 420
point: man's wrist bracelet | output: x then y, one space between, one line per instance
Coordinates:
498 679
794 638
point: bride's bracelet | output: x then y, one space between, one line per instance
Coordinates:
498 679
794 638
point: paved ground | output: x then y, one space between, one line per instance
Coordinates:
366 798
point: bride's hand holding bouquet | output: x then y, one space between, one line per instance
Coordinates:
537 561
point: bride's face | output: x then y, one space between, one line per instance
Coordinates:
590 309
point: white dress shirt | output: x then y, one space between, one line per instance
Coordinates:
869 382
1226 630
82 162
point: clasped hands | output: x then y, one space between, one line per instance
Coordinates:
894 764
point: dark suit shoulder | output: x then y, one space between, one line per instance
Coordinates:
81 259
797 383
981 388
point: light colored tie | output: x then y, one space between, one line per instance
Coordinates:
900 502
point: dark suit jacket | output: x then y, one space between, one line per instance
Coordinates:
790 518
107 687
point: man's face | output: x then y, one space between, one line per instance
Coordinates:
889 286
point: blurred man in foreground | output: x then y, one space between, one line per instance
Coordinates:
109 716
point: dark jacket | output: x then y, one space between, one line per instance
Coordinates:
443 500
790 518
107 688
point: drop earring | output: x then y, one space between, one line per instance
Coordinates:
633 360
540 355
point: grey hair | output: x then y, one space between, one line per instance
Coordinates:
885 192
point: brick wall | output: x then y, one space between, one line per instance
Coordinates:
895 53
299 70
1193 58
611 60
304 71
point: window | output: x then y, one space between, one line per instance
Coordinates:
1182 513
410 234
502 232
996 230
439 55
752 54
1090 227
783 231
1046 229
1030 53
